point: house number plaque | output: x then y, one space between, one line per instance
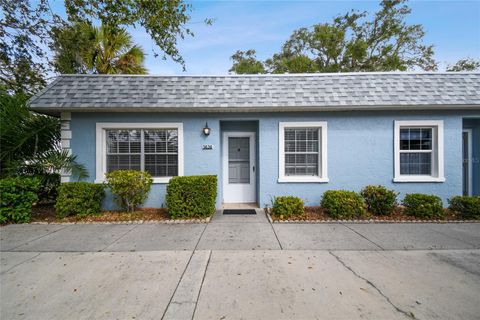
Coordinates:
207 147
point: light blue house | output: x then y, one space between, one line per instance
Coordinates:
270 135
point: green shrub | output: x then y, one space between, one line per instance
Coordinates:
379 200
130 187
287 206
423 206
17 196
467 207
79 198
342 204
191 196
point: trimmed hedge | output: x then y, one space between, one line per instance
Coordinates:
423 206
17 196
130 187
467 207
191 196
379 200
343 204
79 198
287 206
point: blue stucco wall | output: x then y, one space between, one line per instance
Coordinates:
360 149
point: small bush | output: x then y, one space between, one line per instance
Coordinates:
379 200
287 206
423 206
79 198
17 196
342 204
130 187
191 196
467 207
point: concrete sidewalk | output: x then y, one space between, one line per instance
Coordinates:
240 233
240 267
241 284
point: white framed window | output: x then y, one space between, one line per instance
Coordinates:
302 151
419 151
153 147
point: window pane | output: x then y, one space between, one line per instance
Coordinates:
112 141
416 163
123 162
289 146
238 160
301 164
161 148
172 141
289 134
301 151
426 135
416 139
134 139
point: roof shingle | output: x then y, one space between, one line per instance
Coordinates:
322 91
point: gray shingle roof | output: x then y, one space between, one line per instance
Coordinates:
262 92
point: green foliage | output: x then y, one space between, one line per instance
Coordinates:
423 206
379 200
287 206
342 204
23 34
467 207
191 196
130 187
245 62
466 64
79 198
28 27
30 146
164 20
83 48
17 196
24 134
356 41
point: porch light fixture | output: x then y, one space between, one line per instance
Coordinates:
206 130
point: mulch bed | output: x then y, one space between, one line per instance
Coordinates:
46 213
316 213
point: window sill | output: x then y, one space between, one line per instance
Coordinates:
418 179
299 179
163 180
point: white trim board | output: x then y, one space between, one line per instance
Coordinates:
470 159
438 147
101 156
322 159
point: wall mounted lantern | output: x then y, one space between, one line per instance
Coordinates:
206 130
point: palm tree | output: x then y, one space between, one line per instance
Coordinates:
30 145
112 52
83 48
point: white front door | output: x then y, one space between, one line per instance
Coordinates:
239 167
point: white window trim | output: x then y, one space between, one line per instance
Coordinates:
438 147
322 159
101 154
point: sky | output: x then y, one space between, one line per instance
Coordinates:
453 27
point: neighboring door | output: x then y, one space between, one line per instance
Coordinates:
467 161
239 167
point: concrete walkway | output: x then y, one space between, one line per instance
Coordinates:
240 267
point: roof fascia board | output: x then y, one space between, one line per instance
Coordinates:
257 109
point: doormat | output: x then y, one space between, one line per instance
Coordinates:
239 211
